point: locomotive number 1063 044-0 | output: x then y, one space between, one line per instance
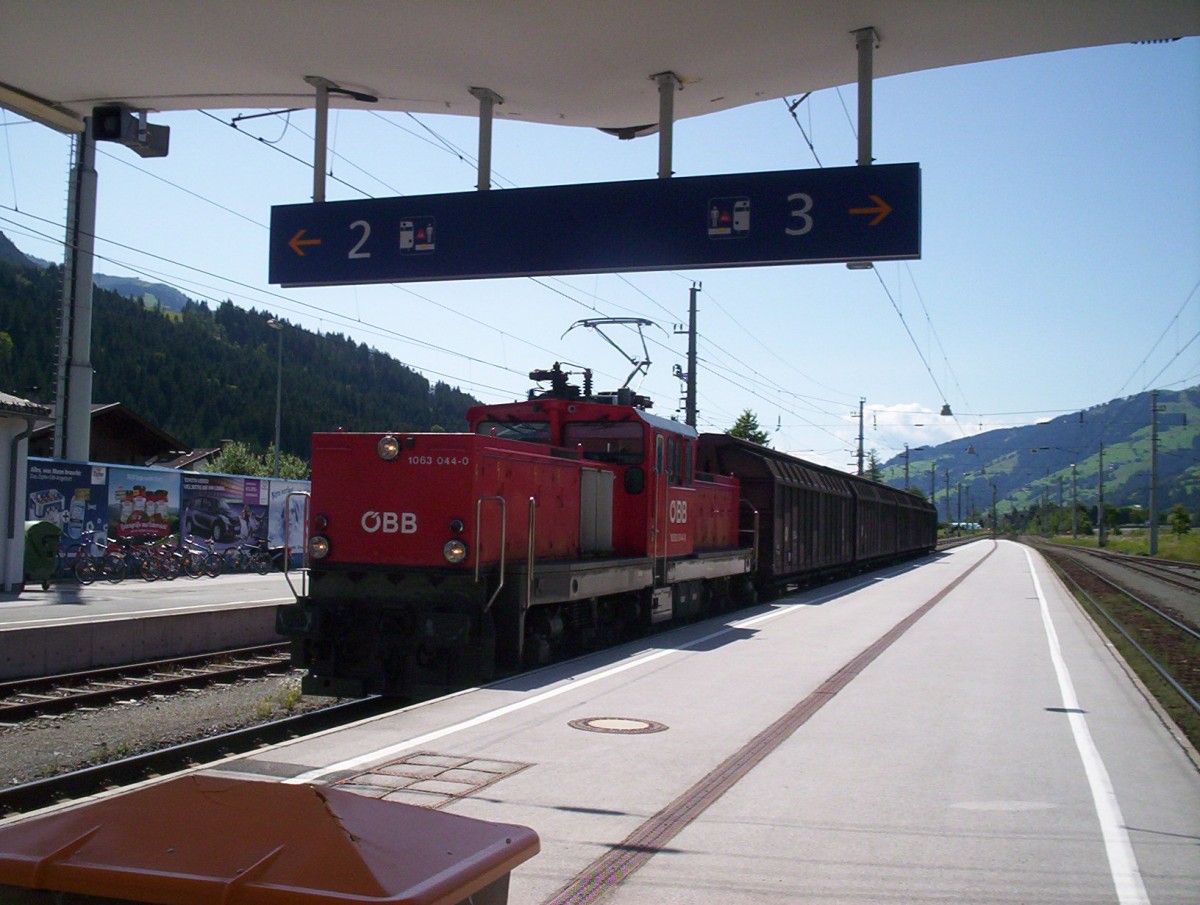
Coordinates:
439 460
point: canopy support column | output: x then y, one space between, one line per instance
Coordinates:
487 102
865 40
668 84
321 133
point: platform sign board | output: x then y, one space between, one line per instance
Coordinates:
787 217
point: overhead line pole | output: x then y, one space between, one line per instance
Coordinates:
1154 473
861 401
689 416
73 392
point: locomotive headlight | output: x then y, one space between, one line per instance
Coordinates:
455 551
318 547
388 448
457 526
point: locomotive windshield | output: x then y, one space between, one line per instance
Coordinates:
606 441
529 431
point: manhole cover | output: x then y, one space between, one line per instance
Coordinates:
617 724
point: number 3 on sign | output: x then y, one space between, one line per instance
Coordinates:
803 204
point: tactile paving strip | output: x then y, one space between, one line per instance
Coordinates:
430 780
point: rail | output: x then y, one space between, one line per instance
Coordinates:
503 542
1150 658
23 699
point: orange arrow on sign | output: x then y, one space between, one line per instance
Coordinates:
881 210
296 242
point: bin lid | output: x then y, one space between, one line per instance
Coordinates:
39 527
203 839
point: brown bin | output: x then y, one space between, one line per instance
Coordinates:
205 840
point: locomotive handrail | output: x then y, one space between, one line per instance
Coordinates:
287 546
532 549
753 532
503 542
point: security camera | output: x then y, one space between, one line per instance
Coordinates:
120 123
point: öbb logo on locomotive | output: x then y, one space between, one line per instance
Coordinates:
677 512
389 522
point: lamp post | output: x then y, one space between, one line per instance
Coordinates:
278 328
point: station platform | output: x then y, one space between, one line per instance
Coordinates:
70 627
952 730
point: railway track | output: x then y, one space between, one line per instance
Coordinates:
1180 574
91 780
1151 616
24 699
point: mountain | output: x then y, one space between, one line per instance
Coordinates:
152 295
205 375
1032 465
10 254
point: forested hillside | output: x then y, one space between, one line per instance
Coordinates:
205 375
1031 466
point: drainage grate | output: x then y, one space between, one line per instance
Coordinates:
617 724
430 780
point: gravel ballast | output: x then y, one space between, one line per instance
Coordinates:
48 746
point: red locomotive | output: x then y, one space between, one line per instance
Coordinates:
561 523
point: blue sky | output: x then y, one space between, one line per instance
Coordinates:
1060 247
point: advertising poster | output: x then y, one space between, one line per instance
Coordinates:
224 509
143 503
287 509
69 494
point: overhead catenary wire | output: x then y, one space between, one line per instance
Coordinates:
1167 329
916 345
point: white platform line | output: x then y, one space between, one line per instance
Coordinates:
1122 863
570 686
379 754
81 618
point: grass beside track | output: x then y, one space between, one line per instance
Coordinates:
1178 709
1177 547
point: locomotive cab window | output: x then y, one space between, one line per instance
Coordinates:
529 431
607 441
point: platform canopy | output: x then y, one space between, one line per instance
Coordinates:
569 62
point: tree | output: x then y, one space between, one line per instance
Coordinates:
747 428
873 470
1179 520
237 458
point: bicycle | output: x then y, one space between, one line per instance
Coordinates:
258 558
140 561
87 561
201 559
